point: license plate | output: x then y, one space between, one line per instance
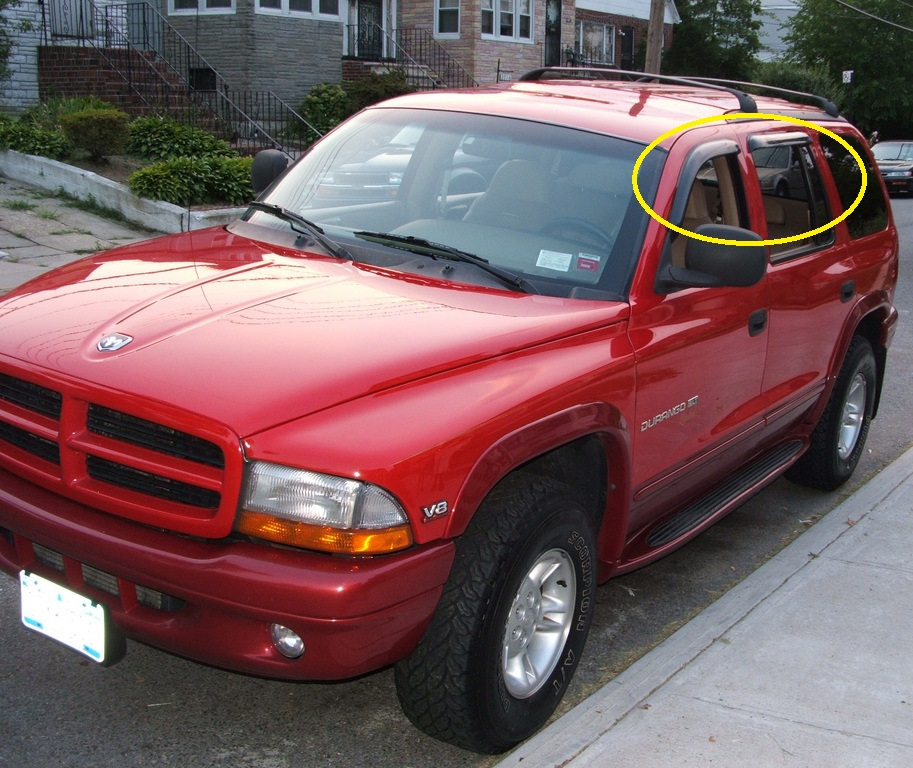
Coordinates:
63 615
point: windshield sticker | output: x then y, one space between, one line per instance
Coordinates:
588 262
560 262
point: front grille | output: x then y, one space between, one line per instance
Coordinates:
105 457
33 397
30 443
155 437
150 484
107 582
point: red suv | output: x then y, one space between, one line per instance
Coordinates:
411 414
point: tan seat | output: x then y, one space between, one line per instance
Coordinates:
517 198
696 213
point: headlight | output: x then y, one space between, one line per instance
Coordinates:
315 511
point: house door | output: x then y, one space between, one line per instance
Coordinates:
370 29
552 33
627 47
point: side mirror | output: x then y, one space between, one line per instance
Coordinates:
713 265
268 165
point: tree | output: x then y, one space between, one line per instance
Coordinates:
716 38
831 34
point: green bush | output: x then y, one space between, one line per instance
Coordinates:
325 106
98 132
815 80
25 137
196 180
155 138
47 115
328 104
375 87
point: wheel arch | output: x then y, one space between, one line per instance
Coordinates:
875 324
587 448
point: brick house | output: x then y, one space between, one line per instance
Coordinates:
287 46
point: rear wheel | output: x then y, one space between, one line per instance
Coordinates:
511 625
839 439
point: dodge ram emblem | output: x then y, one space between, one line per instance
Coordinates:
113 342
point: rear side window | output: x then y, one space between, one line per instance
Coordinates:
871 215
794 200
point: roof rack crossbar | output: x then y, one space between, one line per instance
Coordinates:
827 105
735 87
746 103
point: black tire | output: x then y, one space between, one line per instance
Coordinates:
461 684
839 439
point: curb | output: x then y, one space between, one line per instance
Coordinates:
53 176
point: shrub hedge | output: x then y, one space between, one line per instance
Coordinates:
196 180
98 132
155 138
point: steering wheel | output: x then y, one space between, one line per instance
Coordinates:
580 231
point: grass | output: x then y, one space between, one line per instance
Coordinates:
19 205
91 205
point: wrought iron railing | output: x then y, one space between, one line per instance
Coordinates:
426 62
172 79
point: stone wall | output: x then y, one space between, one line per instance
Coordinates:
20 90
283 54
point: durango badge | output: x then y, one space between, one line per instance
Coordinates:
113 342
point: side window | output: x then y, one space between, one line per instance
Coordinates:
794 200
871 215
716 197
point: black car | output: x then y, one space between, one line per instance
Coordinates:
895 161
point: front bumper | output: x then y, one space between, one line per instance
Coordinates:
354 614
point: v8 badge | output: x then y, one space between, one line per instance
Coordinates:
439 509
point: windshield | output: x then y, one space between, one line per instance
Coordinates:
552 205
893 150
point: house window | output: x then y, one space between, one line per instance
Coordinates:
596 42
448 17
178 7
299 7
511 19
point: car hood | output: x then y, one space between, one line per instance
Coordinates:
894 165
251 335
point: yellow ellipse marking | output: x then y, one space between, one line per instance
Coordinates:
754 116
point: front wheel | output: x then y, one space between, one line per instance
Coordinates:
510 627
839 438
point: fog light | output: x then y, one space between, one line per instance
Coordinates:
287 642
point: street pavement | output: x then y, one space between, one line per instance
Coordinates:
806 663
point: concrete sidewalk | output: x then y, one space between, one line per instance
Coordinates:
40 231
808 662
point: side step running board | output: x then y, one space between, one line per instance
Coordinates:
725 493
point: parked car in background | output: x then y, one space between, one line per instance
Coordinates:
895 162
779 171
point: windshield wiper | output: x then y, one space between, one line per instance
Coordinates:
303 226
438 250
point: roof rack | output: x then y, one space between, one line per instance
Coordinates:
827 105
746 102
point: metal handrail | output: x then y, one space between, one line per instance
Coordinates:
416 51
172 79
421 46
